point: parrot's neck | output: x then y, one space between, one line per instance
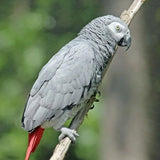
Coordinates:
104 47
105 42
104 51
104 54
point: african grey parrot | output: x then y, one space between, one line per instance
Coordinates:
71 77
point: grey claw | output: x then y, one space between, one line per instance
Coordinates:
66 132
92 106
96 100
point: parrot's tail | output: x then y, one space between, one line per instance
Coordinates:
33 141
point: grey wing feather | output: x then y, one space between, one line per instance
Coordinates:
61 83
47 72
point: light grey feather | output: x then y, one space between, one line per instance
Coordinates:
47 72
60 89
73 75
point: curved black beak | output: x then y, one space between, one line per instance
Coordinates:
126 41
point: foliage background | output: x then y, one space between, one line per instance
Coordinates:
30 33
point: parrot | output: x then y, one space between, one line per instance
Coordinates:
71 77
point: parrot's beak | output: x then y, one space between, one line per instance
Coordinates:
126 41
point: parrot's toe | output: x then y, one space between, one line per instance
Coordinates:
66 132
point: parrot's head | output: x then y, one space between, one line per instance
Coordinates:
108 29
120 33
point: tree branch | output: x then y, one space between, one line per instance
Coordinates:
63 146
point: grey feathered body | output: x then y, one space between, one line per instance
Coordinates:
69 79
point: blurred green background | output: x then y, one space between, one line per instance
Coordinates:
31 31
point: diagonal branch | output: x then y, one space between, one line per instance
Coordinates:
63 146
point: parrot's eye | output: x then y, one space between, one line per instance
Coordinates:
118 28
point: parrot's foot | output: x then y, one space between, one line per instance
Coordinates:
66 132
92 106
96 100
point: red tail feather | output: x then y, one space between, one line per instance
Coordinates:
33 141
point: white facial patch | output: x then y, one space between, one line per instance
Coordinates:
117 29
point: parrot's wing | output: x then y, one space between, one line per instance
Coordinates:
62 82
